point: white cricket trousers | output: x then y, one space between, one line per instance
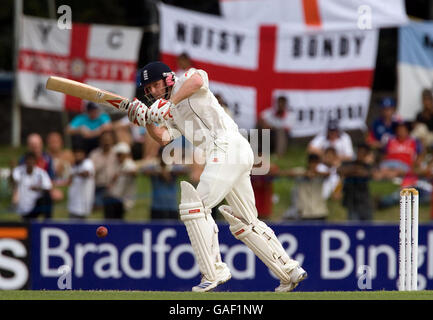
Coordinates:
227 175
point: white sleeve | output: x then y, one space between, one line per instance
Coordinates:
267 114
316 142
16 174
322 168
289 121
129 165
202 73
88 166
348 146
46 183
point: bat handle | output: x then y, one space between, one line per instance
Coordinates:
124 105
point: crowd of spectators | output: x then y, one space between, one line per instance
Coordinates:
392 150
99 170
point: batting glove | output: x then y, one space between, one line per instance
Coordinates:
138 112
160 110
124 105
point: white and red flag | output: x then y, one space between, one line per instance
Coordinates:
322 73
104 56
302 15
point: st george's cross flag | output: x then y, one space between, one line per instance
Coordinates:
323 74
104 56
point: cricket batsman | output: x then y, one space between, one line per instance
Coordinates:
176 105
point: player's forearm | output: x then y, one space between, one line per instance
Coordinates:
189 87
159 134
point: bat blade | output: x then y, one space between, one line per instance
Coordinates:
84 91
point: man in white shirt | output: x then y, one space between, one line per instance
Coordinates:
30 183
193 111
81 190
122 189
334 137
280 121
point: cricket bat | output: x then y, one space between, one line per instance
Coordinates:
84 91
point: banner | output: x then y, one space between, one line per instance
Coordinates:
302 15
321 73
415 66
14 256
100 55
158 256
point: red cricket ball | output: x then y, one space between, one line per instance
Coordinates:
101 232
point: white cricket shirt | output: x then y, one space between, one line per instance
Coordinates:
81 192
200 118
26 196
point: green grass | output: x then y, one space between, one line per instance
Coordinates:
168 295
295 157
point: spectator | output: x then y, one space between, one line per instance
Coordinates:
356 193
184 63
121 191
105 163
423 127
133 135
45 162
81 185
329 165
31 185
263 189
382 127
88 126
43 159
62 159
164 188
279 120
334 137
401 153
307 198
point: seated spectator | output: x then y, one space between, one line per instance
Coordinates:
401 153
382 127
81 185
356 193
334 137
423 127
279 120
120 196
329 165
307 198
105 163
44 161
163 178
88 126
31 186
61 157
